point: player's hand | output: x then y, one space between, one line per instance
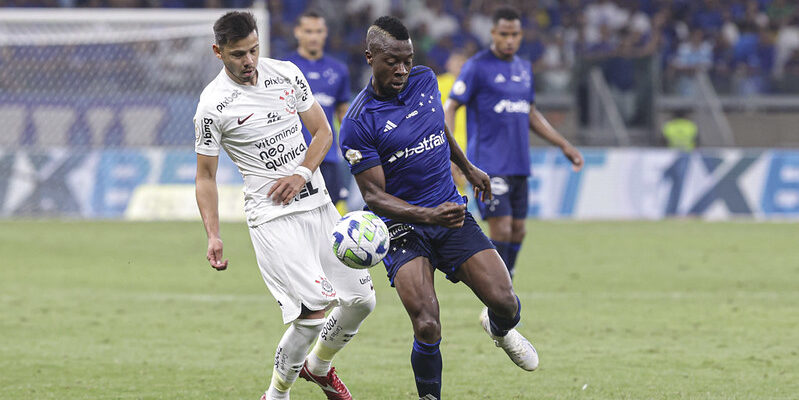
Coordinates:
481 184
449 215
284 190
574 156
214 254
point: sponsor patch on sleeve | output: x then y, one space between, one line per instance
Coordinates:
353 156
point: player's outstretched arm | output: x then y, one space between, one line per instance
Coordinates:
546 131
372 183
208 203
284 190
479 179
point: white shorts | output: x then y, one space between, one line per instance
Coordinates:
295 256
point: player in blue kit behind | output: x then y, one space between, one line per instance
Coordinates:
497 88
330 83
399 149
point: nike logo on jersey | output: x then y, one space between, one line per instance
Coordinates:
499 78
389 126
241 121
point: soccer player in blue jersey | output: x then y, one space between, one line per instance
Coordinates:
497 88
330 83
399 149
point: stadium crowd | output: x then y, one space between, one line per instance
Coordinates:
747 46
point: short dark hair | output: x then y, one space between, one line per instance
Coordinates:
393 26
233 26
505 12
309 13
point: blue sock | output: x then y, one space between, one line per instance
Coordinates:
426 364
500 326
503 248
513 251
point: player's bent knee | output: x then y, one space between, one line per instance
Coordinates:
427 330
505 305
363 305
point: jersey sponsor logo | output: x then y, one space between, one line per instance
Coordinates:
207 122
505 105
241 121
428 143
314 75
415 112
306 191
273 116
499 78
275 80
389 126
353 156
399 230
228 100
303 86
285 133
327 288
291 101
279 156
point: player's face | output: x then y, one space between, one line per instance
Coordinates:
506 37
311 34
240 59
391 66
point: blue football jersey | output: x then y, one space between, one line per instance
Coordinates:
498 95
405 134
330 84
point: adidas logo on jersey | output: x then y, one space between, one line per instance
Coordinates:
499 78
389 126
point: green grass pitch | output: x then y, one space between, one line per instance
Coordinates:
617 310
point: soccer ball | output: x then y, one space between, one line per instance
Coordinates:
360 239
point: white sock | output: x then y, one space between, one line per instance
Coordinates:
290 355
340 326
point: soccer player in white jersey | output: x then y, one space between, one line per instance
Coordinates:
252 110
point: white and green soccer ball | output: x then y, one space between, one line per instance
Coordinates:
360 239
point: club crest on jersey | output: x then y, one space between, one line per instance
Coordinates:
291 101
327 288
353 156
458 88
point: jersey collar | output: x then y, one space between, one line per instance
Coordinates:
400 97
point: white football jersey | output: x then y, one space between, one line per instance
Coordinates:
259 128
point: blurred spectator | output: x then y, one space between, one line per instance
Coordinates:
694 55
754 62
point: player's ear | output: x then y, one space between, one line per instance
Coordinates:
217 51
368 55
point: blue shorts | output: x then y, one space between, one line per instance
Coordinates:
334 181
446 248
510 198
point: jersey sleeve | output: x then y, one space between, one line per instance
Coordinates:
207 134
302 90
357 146
465 85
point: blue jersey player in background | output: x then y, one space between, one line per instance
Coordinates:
399 149
330 83
497 88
